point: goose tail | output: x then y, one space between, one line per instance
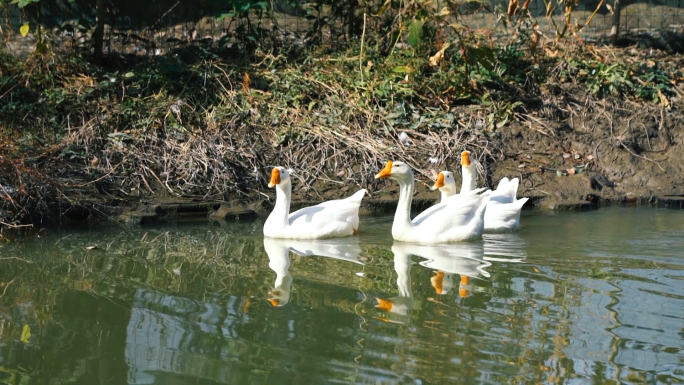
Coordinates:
357 196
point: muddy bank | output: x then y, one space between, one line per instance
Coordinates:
587 159
605 155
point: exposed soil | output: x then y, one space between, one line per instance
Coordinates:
605 156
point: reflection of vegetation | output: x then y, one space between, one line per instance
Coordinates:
207 289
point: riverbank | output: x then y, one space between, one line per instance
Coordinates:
200 129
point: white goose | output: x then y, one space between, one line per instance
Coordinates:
336 218
459 218
503 209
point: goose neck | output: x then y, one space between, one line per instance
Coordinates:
281 211
403 214
469 178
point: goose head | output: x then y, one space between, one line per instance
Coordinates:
469 172
279 176
398 171
466 160
446 183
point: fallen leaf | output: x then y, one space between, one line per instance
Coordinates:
610 8
245 83
24 29
340 174
457 26
25 334
444 12
559 173
590 157
512 8
536 36
434 60
566 155
551 52
93 247
245 305
571 171
577 156
663 99
522 165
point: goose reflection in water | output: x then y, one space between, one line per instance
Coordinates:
508 247
397 308
468 260
278 250
464 259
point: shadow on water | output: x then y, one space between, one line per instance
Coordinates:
592 296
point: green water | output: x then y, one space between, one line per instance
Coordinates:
573 297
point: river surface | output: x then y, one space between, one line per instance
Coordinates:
572 298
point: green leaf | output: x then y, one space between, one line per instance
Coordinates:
225 16
24 29
23 3
415 36
402 69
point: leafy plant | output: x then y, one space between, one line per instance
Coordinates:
500 112
248 34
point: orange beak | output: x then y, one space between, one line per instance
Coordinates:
274 302
275 178
437 280
465 158
386 172
439 183
384 304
